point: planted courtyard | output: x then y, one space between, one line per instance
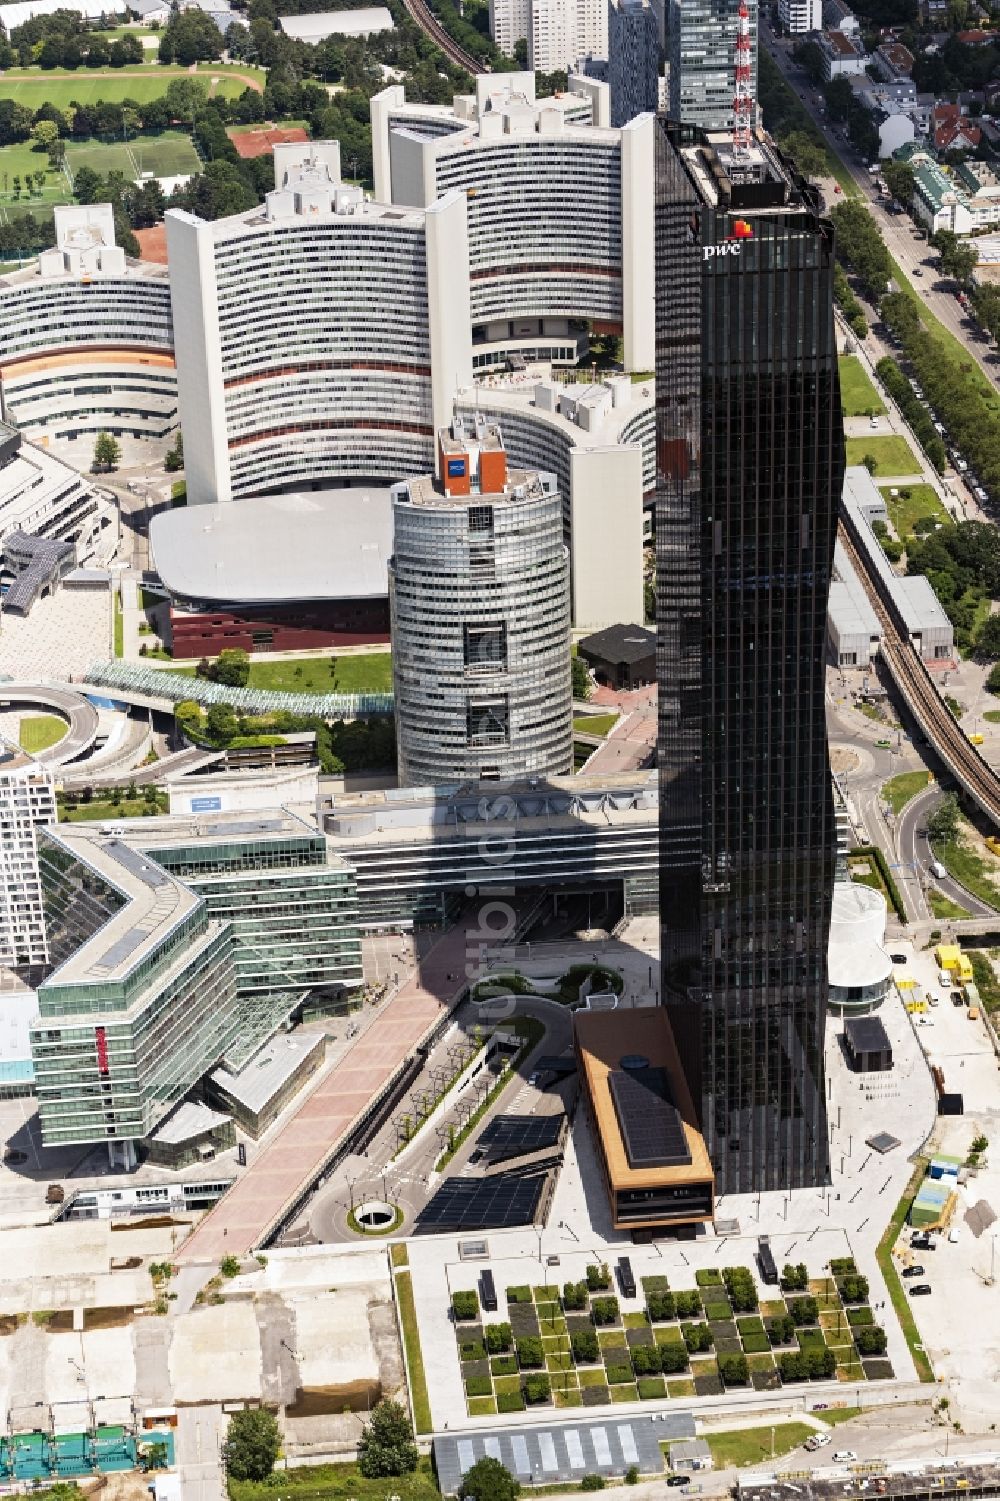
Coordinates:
574 1345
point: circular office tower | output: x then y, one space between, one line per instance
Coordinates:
480 605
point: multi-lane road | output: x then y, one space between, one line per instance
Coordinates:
909 250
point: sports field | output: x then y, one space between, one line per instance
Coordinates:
169 154
141 83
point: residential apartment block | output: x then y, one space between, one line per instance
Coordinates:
27 803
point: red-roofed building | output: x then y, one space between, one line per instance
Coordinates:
977 38
952 130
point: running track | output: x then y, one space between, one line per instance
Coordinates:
268 1189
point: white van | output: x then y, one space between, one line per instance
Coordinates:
938 870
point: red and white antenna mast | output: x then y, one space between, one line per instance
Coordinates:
743 102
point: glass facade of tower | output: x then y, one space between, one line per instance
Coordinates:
750 461
701 49
293 916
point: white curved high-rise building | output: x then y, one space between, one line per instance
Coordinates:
86 342
480 610
560 212
319 338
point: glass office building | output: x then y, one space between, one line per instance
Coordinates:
701 50
750 460
293 914
142 998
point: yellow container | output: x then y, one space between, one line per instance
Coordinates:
975 739
948 956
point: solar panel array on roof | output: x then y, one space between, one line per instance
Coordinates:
558 1453
483 1204
648 1119
515 1135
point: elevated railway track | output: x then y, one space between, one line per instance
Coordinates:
978 780
431 26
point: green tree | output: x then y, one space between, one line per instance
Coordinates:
489 1480
839 97
232 668
899 180
870 462
944 821
107 453
253 1441
220 722
386 1444
581 678
173 459
964 262
45 133
537 1388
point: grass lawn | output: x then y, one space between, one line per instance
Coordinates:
39 731
897 1292
33 87
169 154
909 503
858 396
414 1357
943 906
901 789
595 724
748 1446
835 1415
119 624
331 1482
17 161
129 807
369 673
892 455
961 860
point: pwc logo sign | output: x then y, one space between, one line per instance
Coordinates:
732 244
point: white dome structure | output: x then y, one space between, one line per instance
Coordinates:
860 970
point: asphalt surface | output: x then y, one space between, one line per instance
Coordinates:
915 852
80 713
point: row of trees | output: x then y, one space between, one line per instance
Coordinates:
63 41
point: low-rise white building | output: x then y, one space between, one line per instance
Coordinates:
42 497
843 54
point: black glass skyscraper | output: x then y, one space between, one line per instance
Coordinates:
750 460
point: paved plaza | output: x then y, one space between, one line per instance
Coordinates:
296 1154
64 633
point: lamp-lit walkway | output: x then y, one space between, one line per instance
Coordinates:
264 1194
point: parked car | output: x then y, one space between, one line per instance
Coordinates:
873 424
980 495
956 998
953 1235
921 1290
921 1243
898 958
678 1479
844 1456
817 1441
917 271
932 1000
913 1271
